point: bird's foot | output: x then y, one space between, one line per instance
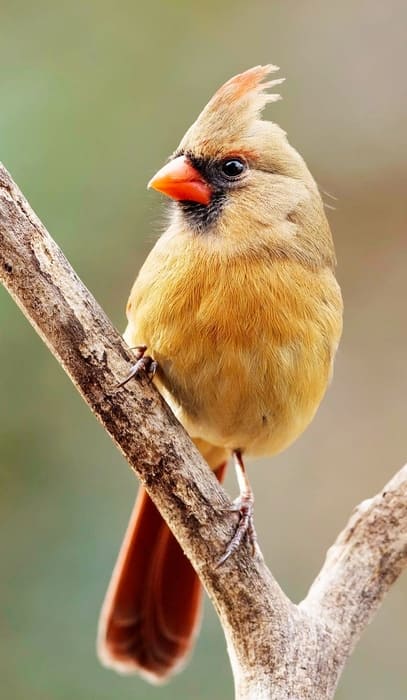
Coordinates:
144 365
244 505
245 528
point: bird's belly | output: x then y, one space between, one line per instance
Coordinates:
244 357
258 400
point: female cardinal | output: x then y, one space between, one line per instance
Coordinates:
239 308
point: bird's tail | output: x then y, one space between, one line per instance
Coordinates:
152 610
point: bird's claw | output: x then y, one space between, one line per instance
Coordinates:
144 365
245 527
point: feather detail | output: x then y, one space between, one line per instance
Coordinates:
232 114
247 86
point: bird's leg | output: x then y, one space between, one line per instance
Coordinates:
244 506
144 364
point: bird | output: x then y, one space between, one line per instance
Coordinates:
236 315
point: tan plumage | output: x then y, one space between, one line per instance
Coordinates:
238 301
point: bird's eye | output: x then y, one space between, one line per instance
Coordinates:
233 167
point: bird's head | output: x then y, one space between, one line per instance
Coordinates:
238 182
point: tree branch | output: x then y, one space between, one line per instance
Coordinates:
278 650
364 562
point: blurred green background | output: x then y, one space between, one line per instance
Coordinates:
93 98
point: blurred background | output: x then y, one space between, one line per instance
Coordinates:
94 96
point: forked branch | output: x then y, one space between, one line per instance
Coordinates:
277 649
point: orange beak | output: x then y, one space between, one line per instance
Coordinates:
180 180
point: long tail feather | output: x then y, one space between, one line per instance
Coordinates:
152 610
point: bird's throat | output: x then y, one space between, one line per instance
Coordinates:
201 218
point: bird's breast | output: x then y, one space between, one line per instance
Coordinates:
245 347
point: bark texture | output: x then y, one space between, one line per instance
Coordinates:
278 650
